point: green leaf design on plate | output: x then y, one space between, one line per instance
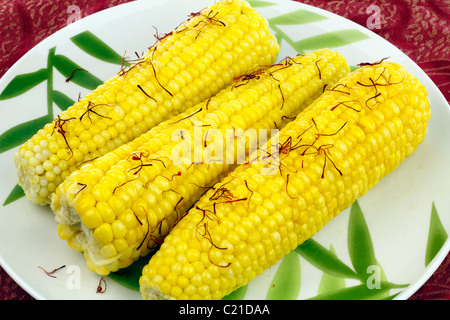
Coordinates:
330 40
21 133
326 40
260 4
286 282
359 292
237 294
61 100
297 17
15 194
94 46
436 236
324 259
77 74
360 245
22 83
330 282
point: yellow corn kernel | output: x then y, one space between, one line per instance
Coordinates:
146 93
75 244
108 251
121 245
104 233
119 229
151 188
307 187
65 231
86 203
105 211
92 218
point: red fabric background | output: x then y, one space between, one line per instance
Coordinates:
419 28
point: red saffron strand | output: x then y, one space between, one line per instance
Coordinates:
143 91
87 161
178 203
101 283
334 89
157 80
90 108
362 64
73 73
50 273
148 230
83 186
59 127
317 65
251 194
344 103
191 115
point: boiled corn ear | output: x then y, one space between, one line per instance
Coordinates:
183 68
339 147
119 207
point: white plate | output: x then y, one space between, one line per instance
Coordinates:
398 211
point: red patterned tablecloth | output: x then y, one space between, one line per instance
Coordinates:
419 28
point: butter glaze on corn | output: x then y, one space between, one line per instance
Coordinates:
188 66
115 216
366 126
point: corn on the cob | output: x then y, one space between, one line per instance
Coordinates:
335 150
118 207
183 68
